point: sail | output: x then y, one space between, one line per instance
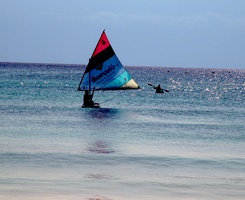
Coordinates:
104 70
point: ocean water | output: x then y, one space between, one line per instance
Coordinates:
188 143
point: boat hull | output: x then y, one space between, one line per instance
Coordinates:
161 91
96 105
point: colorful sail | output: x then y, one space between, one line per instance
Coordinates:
104 70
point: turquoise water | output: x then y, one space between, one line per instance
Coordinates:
185 144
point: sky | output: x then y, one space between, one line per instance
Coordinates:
161 33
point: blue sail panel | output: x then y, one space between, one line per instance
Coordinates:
120 82
105 73
110 75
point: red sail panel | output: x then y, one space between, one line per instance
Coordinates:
102 44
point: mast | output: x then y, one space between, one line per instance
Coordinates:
79 89
89 85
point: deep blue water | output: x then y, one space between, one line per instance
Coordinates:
188 143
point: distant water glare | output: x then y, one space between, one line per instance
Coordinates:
187 143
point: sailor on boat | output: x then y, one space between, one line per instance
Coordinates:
88 99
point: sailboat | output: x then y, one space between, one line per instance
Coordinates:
105 72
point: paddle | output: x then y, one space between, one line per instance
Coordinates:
155 87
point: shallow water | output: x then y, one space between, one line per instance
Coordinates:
185 144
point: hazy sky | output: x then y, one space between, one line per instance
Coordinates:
168 33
